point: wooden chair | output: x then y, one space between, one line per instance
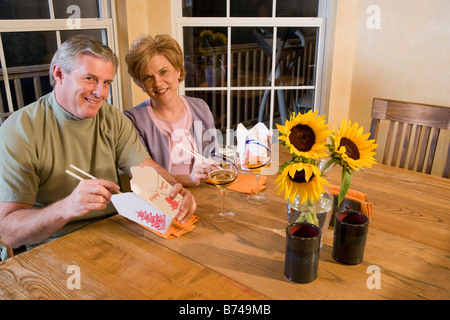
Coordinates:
9 250
413 132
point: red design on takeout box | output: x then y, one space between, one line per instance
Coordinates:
158 221
149 203
174 204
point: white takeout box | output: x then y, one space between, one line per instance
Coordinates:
149 204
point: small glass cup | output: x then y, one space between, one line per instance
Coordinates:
350 234
301 262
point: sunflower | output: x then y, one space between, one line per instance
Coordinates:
303 179
350 146
305 135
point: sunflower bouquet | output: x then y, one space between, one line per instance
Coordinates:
314 148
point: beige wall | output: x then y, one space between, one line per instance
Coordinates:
344 43
134 18
406 59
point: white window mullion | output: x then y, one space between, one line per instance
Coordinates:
228 133
103 9
5 78
51 9
50 25
273 92
318 103
52 17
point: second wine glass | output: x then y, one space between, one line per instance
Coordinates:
258 155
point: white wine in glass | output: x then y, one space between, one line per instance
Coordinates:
222 175
258 156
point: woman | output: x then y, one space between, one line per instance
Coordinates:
167 119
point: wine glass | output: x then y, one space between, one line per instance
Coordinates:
258 156
224 172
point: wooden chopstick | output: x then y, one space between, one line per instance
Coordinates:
195 154
74 175
83 172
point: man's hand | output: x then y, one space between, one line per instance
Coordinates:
93 194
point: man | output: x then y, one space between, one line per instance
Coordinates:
71 125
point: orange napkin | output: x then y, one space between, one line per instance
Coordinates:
246 183
357 196
177 229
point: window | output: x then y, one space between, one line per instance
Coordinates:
30 33
254 60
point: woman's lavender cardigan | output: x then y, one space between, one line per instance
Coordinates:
157 143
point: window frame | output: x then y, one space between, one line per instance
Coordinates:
322 47
106 22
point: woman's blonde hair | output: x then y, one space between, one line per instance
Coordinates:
145 47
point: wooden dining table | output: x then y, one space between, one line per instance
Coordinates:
407 254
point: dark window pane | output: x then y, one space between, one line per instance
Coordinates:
33 87
30 9
28 48
87 8
205 51
217 102
292 101
296 62
204 8
251 8
4 110
26 84
251 56
297 8
249 105
96 33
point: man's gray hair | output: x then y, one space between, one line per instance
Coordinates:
67 55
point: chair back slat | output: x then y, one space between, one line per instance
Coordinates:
387 148
423 148
406 142
446 171
414 147
433 143
398 138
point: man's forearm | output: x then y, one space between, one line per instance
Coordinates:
25 226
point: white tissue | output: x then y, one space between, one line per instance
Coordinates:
242 133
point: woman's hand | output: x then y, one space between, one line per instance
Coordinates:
188 204
198 174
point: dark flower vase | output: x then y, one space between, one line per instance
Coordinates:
302 252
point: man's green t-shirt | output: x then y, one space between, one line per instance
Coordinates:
41 140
